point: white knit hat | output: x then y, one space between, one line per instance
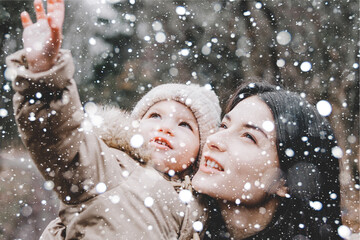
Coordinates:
202 101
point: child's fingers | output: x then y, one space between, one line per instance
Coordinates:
57 9
55 1
55 31
50 6
60 9
52 23
39 10
55 5
25 19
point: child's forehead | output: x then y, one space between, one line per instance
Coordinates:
172 107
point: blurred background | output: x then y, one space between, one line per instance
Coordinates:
123 48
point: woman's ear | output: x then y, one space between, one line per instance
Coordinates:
274 183
282 190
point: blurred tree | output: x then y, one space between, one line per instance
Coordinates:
124 47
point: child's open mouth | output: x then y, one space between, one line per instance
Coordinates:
212 163
161 143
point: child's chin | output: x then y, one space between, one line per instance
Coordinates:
160 156
159 166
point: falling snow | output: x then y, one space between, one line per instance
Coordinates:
185 196
283 38
305 66
344 231
122 49
137 141
324 108
268 126
149 201
289 152
198 226
100 187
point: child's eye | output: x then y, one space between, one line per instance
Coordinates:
223 125
185 124
154 115
249 136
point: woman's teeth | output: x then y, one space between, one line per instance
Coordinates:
213 164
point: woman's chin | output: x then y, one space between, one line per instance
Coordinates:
203 184
198 182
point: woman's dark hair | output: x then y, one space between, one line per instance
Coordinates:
305 145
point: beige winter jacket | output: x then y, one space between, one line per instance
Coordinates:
105 193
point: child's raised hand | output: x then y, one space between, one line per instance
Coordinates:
42 40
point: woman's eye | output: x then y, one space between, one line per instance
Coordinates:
249 136
223 125
154 115
185 124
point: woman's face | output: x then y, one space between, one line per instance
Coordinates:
240 161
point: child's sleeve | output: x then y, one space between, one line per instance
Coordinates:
49 114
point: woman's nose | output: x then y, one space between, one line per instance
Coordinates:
216 143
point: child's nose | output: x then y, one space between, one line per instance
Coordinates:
165 129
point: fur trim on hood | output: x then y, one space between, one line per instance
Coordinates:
116 128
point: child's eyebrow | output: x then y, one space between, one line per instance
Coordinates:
188 119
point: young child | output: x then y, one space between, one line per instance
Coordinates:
104 192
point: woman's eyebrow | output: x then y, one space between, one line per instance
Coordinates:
249 125
252 126
227 116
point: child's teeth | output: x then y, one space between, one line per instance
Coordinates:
208 163
161 142
212 164
216 166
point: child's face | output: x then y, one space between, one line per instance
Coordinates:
171 130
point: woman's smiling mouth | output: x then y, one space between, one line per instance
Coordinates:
211 164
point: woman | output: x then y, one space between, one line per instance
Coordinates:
270 169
